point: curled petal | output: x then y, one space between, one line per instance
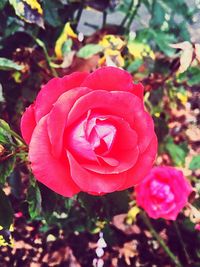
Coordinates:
58 116
93 182
142 166
124 152
138 90
125 104
144 127
28 123
110 79
52 172
53 89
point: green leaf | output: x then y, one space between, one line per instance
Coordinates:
7 64
13 25
49 201
134 66
158 14
34 200
177 153
5 137
2 99
51 14
193 76
67 46
116 202
6 211
163 40
6 168
14 180
29 10
3 3
89 50
161 128
195 163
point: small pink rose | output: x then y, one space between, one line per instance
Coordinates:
163 193
197 227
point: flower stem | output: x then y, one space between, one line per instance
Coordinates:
79 13
182 242
160 240
127 14
43 46
18 137
133 14
14 134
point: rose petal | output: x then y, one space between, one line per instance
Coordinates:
125 105
75 140
58 117
138 90
28 123
125 152
93 182
144 127
53 89
110 79
142 166
48 170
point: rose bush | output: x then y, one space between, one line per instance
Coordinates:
163 193
90 132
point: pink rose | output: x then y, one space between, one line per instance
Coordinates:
90 132
163 193
197 227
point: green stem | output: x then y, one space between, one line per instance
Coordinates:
128 14
160 240
132 16
14 134
18 137
42 45
104 19
79 13
182 242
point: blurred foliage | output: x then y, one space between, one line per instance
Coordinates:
150 39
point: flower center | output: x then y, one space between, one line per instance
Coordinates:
161 192
93 137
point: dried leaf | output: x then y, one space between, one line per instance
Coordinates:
186 56
197 51
128 251
183 46
29 10
185 60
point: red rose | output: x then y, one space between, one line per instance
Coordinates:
163 193
90 132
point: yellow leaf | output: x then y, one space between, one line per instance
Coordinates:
34 4
67 32
140 50
112 45
197 51
157 114
29 10
182 97
68 29
99 226
112 41
131 216
8 240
